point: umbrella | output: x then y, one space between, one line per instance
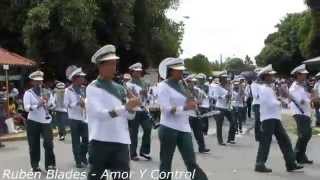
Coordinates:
249 75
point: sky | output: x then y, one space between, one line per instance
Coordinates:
231 28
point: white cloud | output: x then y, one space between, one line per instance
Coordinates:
230 27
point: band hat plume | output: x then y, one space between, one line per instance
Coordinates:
170 63
267 70
106 53
37 76
136 67
201 76
318 74
60 85
300 69
191 77
74 71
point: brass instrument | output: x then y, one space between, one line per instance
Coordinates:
82 98
192 96
44 97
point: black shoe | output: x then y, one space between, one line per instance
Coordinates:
135 158
146 156
51 167
205 133
2 145
205 150
85 161
79 166
293 167
62 138
241 131
262 169
306 161
36 169
231 142
156 125
222 144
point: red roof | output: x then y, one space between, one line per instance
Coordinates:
11 58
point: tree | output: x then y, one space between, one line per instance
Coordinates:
283 48
198 64
237 65
59 33
312 44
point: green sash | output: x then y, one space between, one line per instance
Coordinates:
139 82
113 88
177 86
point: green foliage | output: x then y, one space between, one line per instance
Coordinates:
198 64
237 65
59 32
283 48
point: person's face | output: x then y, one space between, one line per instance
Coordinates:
269 78
108 69
177 74
301 77
136 74
37 83
223 80
78 80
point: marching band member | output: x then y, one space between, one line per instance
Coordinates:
270 115
255 89
222 94
204 106
74 102
154 107
60 110
316 103
39 123
238 105
137 86
174 125
196 121
108 110
300 106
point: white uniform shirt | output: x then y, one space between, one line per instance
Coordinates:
58 101
136 89
205 99
153 97
72 103
169 98
270 106
220 96
30 103
317 88
212 89
299 93
255 88
236 100
102 127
